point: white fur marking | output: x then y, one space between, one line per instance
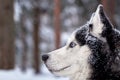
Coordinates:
97 24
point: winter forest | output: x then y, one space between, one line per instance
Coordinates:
30 28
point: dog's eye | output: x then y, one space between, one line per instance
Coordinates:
72 44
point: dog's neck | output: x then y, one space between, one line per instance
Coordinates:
85 74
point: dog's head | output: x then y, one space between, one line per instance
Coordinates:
100 24
71 58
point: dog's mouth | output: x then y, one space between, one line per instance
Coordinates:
64 68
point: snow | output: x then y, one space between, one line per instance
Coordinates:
17 74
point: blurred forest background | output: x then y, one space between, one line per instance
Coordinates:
29 28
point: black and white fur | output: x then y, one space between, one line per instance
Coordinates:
103 29
101 59
86 56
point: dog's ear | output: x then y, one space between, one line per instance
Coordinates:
99 21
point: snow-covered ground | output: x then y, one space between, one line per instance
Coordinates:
16 74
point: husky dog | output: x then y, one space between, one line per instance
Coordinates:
86 56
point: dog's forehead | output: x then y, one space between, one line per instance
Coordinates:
72 37
78 33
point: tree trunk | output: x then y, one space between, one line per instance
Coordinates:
23 36
6 34
109 6
36 63
57 22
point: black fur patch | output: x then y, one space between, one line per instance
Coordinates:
107 28
81 34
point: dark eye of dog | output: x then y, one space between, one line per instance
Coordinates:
72 44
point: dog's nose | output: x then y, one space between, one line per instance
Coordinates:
45 57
